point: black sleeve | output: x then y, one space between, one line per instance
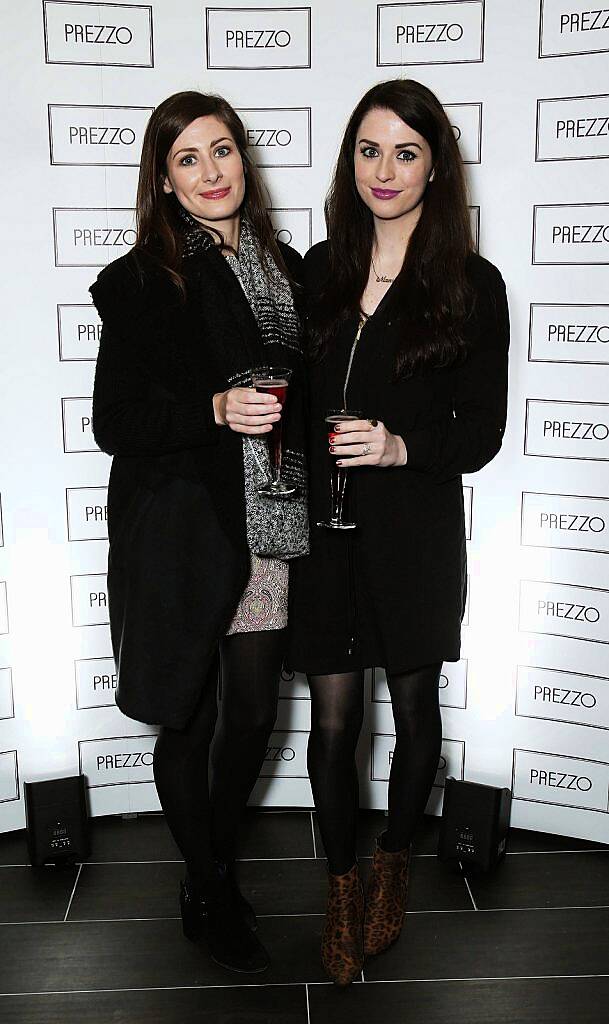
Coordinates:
468 439
132 413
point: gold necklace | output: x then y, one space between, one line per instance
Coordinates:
382 278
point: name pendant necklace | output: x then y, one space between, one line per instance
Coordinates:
381 278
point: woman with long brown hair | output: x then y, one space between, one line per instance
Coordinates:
408 332
198 564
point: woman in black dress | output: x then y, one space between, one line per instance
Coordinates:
197 574
409 325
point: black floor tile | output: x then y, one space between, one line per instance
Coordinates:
123 891
35 894
13 849
543 1001
145 837
553 880
300 887
433 885
273 1005
520 840
496 944
144 954
437 886
276 834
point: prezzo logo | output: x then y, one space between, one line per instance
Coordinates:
89 599
96 136
572 128
430 33
294 226
557 779
570 521
571 235
564 609
79 331
117 761
452 759
7 707
87 513
293 686
102 34
563 333
557 696
92 237
452 685
468 500
95 683
567 430
3 608
77 419
568 27
286 755
258 38
278 136
9 776
466 121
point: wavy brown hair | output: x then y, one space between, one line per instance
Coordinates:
159 230
432 294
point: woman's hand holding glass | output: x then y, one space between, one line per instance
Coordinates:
246 411
367 443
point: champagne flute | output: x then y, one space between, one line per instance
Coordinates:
338 474
274 380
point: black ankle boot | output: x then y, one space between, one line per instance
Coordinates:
216 918
227 870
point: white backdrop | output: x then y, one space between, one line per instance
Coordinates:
528 705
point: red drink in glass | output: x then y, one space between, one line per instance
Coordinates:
274 381
278 388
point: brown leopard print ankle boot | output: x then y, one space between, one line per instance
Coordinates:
385 899
342 952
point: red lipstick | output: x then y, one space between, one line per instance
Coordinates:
216 193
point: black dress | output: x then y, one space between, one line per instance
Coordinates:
392 592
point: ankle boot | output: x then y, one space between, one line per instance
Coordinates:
226 869
342 952
386 896
215 917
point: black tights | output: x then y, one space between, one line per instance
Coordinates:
337 709
203 818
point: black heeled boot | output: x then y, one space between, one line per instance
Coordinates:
216 918
227 870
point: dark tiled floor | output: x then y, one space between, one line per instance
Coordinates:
526 944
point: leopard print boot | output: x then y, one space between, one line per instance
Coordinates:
342 953
386 896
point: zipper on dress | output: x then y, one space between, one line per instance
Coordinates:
362 322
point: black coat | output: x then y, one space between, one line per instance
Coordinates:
178 560
398 582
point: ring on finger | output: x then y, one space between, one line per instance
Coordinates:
367 449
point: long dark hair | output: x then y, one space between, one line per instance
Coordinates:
159 232
432 293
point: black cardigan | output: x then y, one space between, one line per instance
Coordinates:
398 583
178 559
